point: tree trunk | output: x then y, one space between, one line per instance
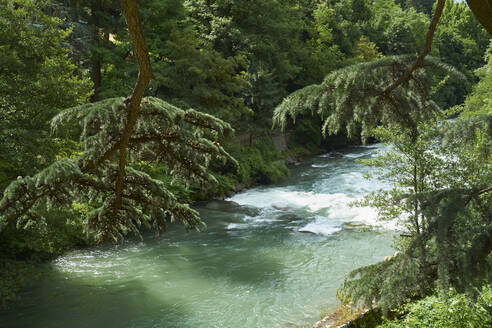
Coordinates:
130 9
95 60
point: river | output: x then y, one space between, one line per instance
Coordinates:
270 257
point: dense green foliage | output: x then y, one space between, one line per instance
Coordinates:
354 98
37 80
436 198
479 101
460 42
259 162
440 172
453 310
237 60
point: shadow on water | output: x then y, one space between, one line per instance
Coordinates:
165 274
60 301
243 258
241 266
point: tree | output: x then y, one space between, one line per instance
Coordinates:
37 80
424 6
396 31
94 24
460 41
362 96
442 195
92 40
366 50
479 101
122 198
387 91
268 34
188 73
340 23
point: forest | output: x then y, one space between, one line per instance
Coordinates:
147 124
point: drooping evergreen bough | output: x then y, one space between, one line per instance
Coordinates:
355 97
182 140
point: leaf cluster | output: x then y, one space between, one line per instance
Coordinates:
452 310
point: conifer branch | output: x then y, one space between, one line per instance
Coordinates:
427 48
182 141
353 97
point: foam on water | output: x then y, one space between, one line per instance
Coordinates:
320 229
320 166
328 203
324 212
357 155
322 226
283 199
237 226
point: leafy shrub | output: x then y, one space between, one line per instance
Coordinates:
454 310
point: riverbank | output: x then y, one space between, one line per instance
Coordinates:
267 159
346 316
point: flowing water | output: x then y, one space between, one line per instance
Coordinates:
271 257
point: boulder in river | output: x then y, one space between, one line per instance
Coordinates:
336 154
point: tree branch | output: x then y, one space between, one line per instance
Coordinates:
478 193
91 166
482 10
420 59
130 10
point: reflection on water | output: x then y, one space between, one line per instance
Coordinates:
270 257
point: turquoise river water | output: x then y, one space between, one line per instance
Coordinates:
270 257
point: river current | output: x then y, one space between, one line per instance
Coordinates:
270 257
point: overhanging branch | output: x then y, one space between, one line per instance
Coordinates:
130 10
478 193
427 48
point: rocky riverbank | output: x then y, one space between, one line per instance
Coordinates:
348 317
